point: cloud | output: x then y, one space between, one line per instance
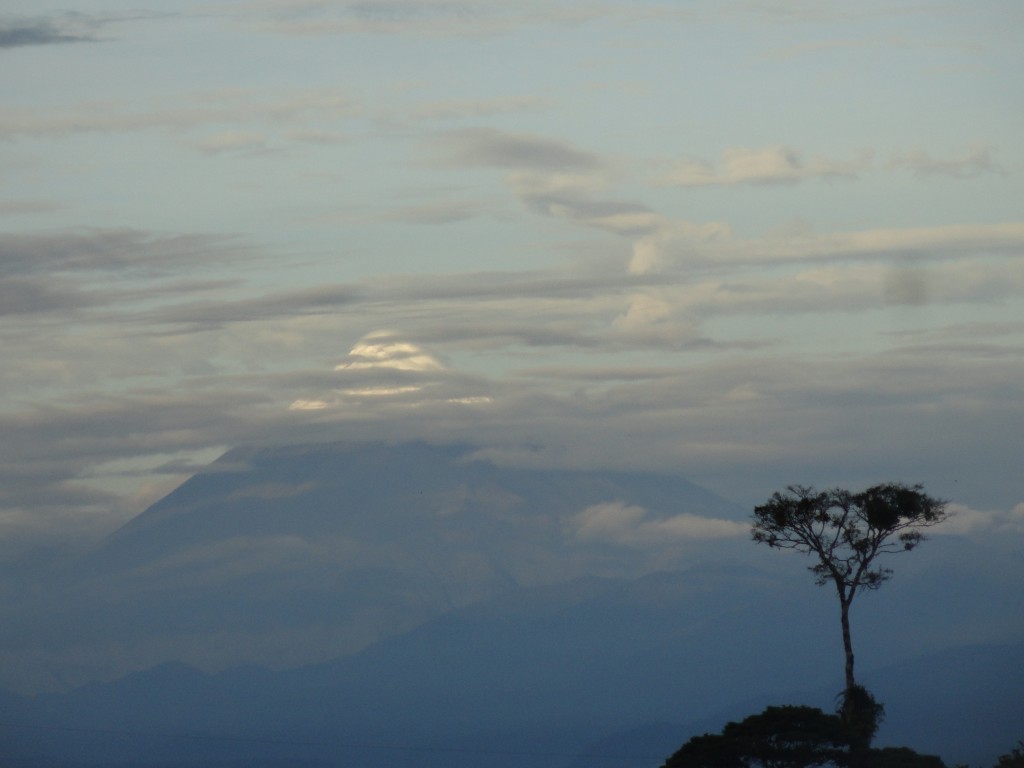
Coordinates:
69 28
413 17
442 212
94 249
197 316
491 148
24 207
67 270
753 416
675 242
977 160
570 196
164 364
460 109
53 454
964 520
878 43
382 366
769 165
24 296
382 350
617 522
688 245
551 178
300 110
230 141
608 521
686 276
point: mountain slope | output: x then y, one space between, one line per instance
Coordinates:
282 556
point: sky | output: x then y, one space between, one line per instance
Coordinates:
754 243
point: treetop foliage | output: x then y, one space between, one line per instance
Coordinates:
788 737
1013 759
779 736
847 531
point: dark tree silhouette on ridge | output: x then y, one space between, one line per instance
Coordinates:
788 737
846 533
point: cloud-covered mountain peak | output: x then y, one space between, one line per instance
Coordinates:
384 349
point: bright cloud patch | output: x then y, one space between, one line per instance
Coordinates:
769 165
308 405
381 349
384 368
619 523
374 362
964 520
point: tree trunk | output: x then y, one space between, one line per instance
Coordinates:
850 712
847 641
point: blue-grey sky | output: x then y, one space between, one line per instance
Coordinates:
753 242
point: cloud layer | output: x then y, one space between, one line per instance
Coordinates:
649 241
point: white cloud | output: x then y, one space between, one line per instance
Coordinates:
768 165
661 249
611 521
381 366
964 520
308 405
644 310
382 349
380 391
617 522
686 526
556 184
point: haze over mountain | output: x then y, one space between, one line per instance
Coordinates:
413 594
618 671
287 555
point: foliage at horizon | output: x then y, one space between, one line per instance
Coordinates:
789 736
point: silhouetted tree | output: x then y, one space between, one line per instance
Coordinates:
901 757
779 737
1013 759
846 533
862 715
788 737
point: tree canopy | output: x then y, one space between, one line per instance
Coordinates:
779 737
788 737
1012 759
846 533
